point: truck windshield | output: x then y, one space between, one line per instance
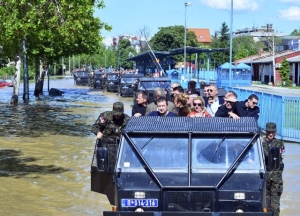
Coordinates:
160 152
220 153
163 152
154 84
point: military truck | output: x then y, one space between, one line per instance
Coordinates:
149 84
81 77
126 84
185 166
97 80
112 82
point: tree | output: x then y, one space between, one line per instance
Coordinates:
52 29
245 46
271 43
284 72
124 48
172 37
221 40
143 35
296 32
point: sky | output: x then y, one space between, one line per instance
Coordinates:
128 16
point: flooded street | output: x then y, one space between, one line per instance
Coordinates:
46 150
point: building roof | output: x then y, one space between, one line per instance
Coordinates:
293 59
147 55
268 58
161 54
202 34
192 50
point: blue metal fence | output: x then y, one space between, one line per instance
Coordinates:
284 111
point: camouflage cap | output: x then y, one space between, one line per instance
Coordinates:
271 126
118 108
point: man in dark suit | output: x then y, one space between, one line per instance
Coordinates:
231 108
213 101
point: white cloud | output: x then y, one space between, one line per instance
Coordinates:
292 13
108 40
251 5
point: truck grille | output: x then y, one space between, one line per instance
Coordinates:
189 201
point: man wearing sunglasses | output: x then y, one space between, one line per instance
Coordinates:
231 108
215 102
250 107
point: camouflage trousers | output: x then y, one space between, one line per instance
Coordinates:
274 190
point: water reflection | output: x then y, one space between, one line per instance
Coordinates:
46 151
12 164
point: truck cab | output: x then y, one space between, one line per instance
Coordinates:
183 166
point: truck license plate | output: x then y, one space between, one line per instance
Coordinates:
139 202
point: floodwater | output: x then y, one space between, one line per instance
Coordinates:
46 150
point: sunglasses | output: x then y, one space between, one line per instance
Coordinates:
195 104
254 103
209 90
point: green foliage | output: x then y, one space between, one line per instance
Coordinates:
296 32
245 46
7 72
123 51
221 40
284 72
51 29
172 37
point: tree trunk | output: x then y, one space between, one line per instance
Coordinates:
16 82
39 79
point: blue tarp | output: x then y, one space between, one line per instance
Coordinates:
243 66
226 66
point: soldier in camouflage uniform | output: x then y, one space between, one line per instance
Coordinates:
108 129
274 182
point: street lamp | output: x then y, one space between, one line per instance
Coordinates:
230 57
185 5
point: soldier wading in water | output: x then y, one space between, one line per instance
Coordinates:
108 129
274 177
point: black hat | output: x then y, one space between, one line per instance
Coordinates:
271 126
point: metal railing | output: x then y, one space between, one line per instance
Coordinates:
284 111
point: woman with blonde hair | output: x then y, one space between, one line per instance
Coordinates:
182 105
199 108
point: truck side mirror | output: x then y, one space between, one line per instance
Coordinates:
274 158
102 159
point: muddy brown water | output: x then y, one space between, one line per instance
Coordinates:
46 150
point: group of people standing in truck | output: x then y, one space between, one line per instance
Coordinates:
190 103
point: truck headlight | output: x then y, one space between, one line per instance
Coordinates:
139 210
139 195
239 210
239 196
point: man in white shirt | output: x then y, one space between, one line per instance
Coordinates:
215 102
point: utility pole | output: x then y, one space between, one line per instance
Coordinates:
274 66
186 4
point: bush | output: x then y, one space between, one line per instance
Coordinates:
7 72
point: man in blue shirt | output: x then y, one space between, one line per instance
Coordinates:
162 108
